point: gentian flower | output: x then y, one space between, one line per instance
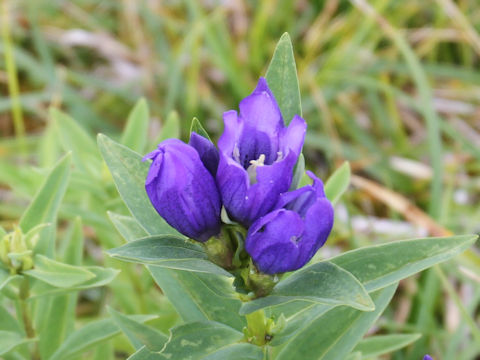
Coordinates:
288 237
427 357
257 155
183 191
207 151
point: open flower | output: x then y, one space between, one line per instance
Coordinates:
183 191
288 237
257 155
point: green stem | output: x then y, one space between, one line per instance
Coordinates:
13 87
24 294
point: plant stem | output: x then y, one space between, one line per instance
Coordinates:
24 294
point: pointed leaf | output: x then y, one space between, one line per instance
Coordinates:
75 139
199 296
101 276
282 79
339 329
323 283
129 174
58 274
381 265
127 226
208 341
135 134
170 128
199 129
44 206
139 334
338 183
384 344
91 335
167 251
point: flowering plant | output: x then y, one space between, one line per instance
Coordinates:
230 238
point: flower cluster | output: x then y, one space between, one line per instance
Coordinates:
250 176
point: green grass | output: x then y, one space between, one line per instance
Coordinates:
378 81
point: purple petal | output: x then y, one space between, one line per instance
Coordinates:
207 151
183 192
318 224
260 110
232 129
292 137
272 241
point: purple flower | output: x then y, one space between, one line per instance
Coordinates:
257 155
288 237
183 191
207 151
427 357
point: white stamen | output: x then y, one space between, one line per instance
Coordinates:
252 169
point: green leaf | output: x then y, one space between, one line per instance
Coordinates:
139 334
199 296
129 174
9 340
198 128
127 226
298 172
102 276
75 139
384 344
44 206
282 79
339 329
8 322
208 340
60 310
170 128
135 134
6 278
381 265
167 251
338 182
58 274
2 232
323 283
91 335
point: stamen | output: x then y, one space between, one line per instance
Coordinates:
252 169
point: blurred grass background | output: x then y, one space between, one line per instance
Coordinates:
391 86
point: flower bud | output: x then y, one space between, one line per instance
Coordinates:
288 237
183 191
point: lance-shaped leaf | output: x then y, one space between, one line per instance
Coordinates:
381 265
135 133
339 329
129 173
90 335
139 334
338 183
58 274
323 283
208 341
44 207
167 251
377 345
282 79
